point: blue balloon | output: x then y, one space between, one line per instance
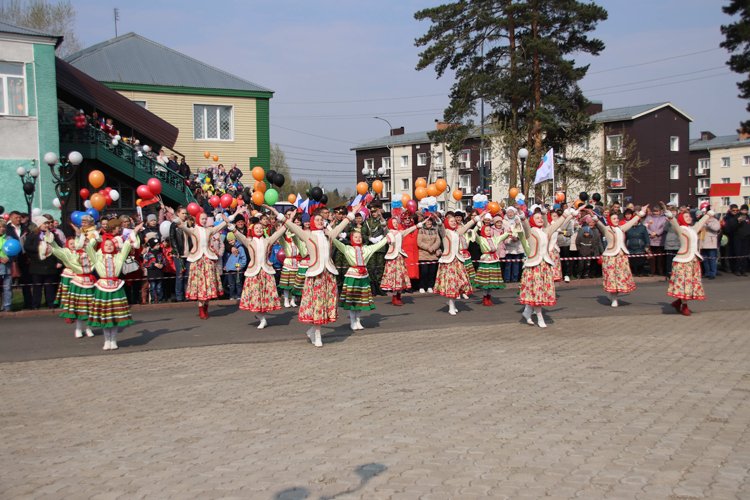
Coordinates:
520 202
12 247
75 217
93 213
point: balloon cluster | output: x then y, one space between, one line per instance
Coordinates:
148 193
94 202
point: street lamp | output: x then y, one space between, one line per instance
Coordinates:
523 153
28 180
381 170
63 170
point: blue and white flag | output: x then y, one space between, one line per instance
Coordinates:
546 169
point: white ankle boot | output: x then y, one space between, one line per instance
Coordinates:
359 324
262 324
78 333
89 333
540 317
107 345
113 340
317 341
310 333
452 308
293 301
527 315
353 321
286 302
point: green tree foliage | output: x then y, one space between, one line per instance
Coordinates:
517 55
55 18
737 42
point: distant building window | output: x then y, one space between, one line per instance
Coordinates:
746 200
703 185
614 144
726 180
725 201
464 158
386 187
141 104
212 122
405 185
674 172
369 165
674 143
405 161
746 181
584 144
12 89
746 161
674 199
421 159
704 164
726 162
439 159
464 183
487 154
614 198
385 162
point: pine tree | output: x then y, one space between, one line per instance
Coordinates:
737 42
516 55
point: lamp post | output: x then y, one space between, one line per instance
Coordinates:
28 180
63 171
523 153
381 170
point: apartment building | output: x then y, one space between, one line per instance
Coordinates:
722 168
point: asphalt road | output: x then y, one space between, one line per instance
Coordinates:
28 336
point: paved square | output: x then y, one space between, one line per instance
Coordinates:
651 406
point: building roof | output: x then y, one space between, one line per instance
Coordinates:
720 142
79 89
133 59
395 140
20 30
633 112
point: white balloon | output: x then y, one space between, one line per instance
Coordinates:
87 204
56 203
115 142
36 211
118 137
146 148
114 195
164 229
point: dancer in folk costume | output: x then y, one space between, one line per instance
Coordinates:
290 266
204 281
396 276
490 273
554 248
537 285
259 294
109 306
75 300
463 244
356 294
318 305
618 279
452 280
685 282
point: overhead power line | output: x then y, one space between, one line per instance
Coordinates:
317 150
655 86
654 61
374 99
314 135
351 163
656 79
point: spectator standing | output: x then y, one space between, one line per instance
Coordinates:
656 224
6 279
235 262
564 238
180 250
589 244
637 241
708 242
153 262
44 273
172 163
373 231
235 173
184 169
513 247
737 227
428 242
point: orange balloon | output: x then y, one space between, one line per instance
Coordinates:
432 190
377 186
258 198
493 207
559 197
138 202
420 192
441 185
260 186
458 194
513 192
234 204
405 198
421 182
96 179
216 158
291 198
361 187
258 173
98 201
207 154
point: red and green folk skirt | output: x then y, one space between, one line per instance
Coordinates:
109 308
62 288
299 279
471 272
288 278
356 294
76 302
490 276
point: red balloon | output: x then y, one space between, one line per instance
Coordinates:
84 193
411 206
107 198
154 185
226 200
240 202
193 209
214 201
144 192
107 189
281 255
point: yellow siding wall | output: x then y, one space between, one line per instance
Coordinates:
177 109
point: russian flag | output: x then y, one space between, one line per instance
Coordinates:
546 169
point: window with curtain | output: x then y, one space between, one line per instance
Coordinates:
12 89
211 122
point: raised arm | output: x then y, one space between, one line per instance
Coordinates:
703 221
337 230
276 234
467 226
632 222
406 232
557 224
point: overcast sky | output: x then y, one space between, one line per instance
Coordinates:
334 64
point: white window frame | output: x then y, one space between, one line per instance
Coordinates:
674 199
370 165
439 159
464 183
726 180
703 185
674 143
746 181
464 159
387 188
421 159
746 161
674 172
487 154
5 109
141 103
404 160
726 162
218 122
704 165
746 200
725 201
385 162
613 144
614 198
406 184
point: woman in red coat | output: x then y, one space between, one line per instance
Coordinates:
409 245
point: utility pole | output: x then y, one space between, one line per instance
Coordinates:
117 18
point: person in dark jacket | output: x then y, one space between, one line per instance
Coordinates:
184 169
737 227
589 244
637 241
44 272
180 248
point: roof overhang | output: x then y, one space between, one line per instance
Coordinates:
81 89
